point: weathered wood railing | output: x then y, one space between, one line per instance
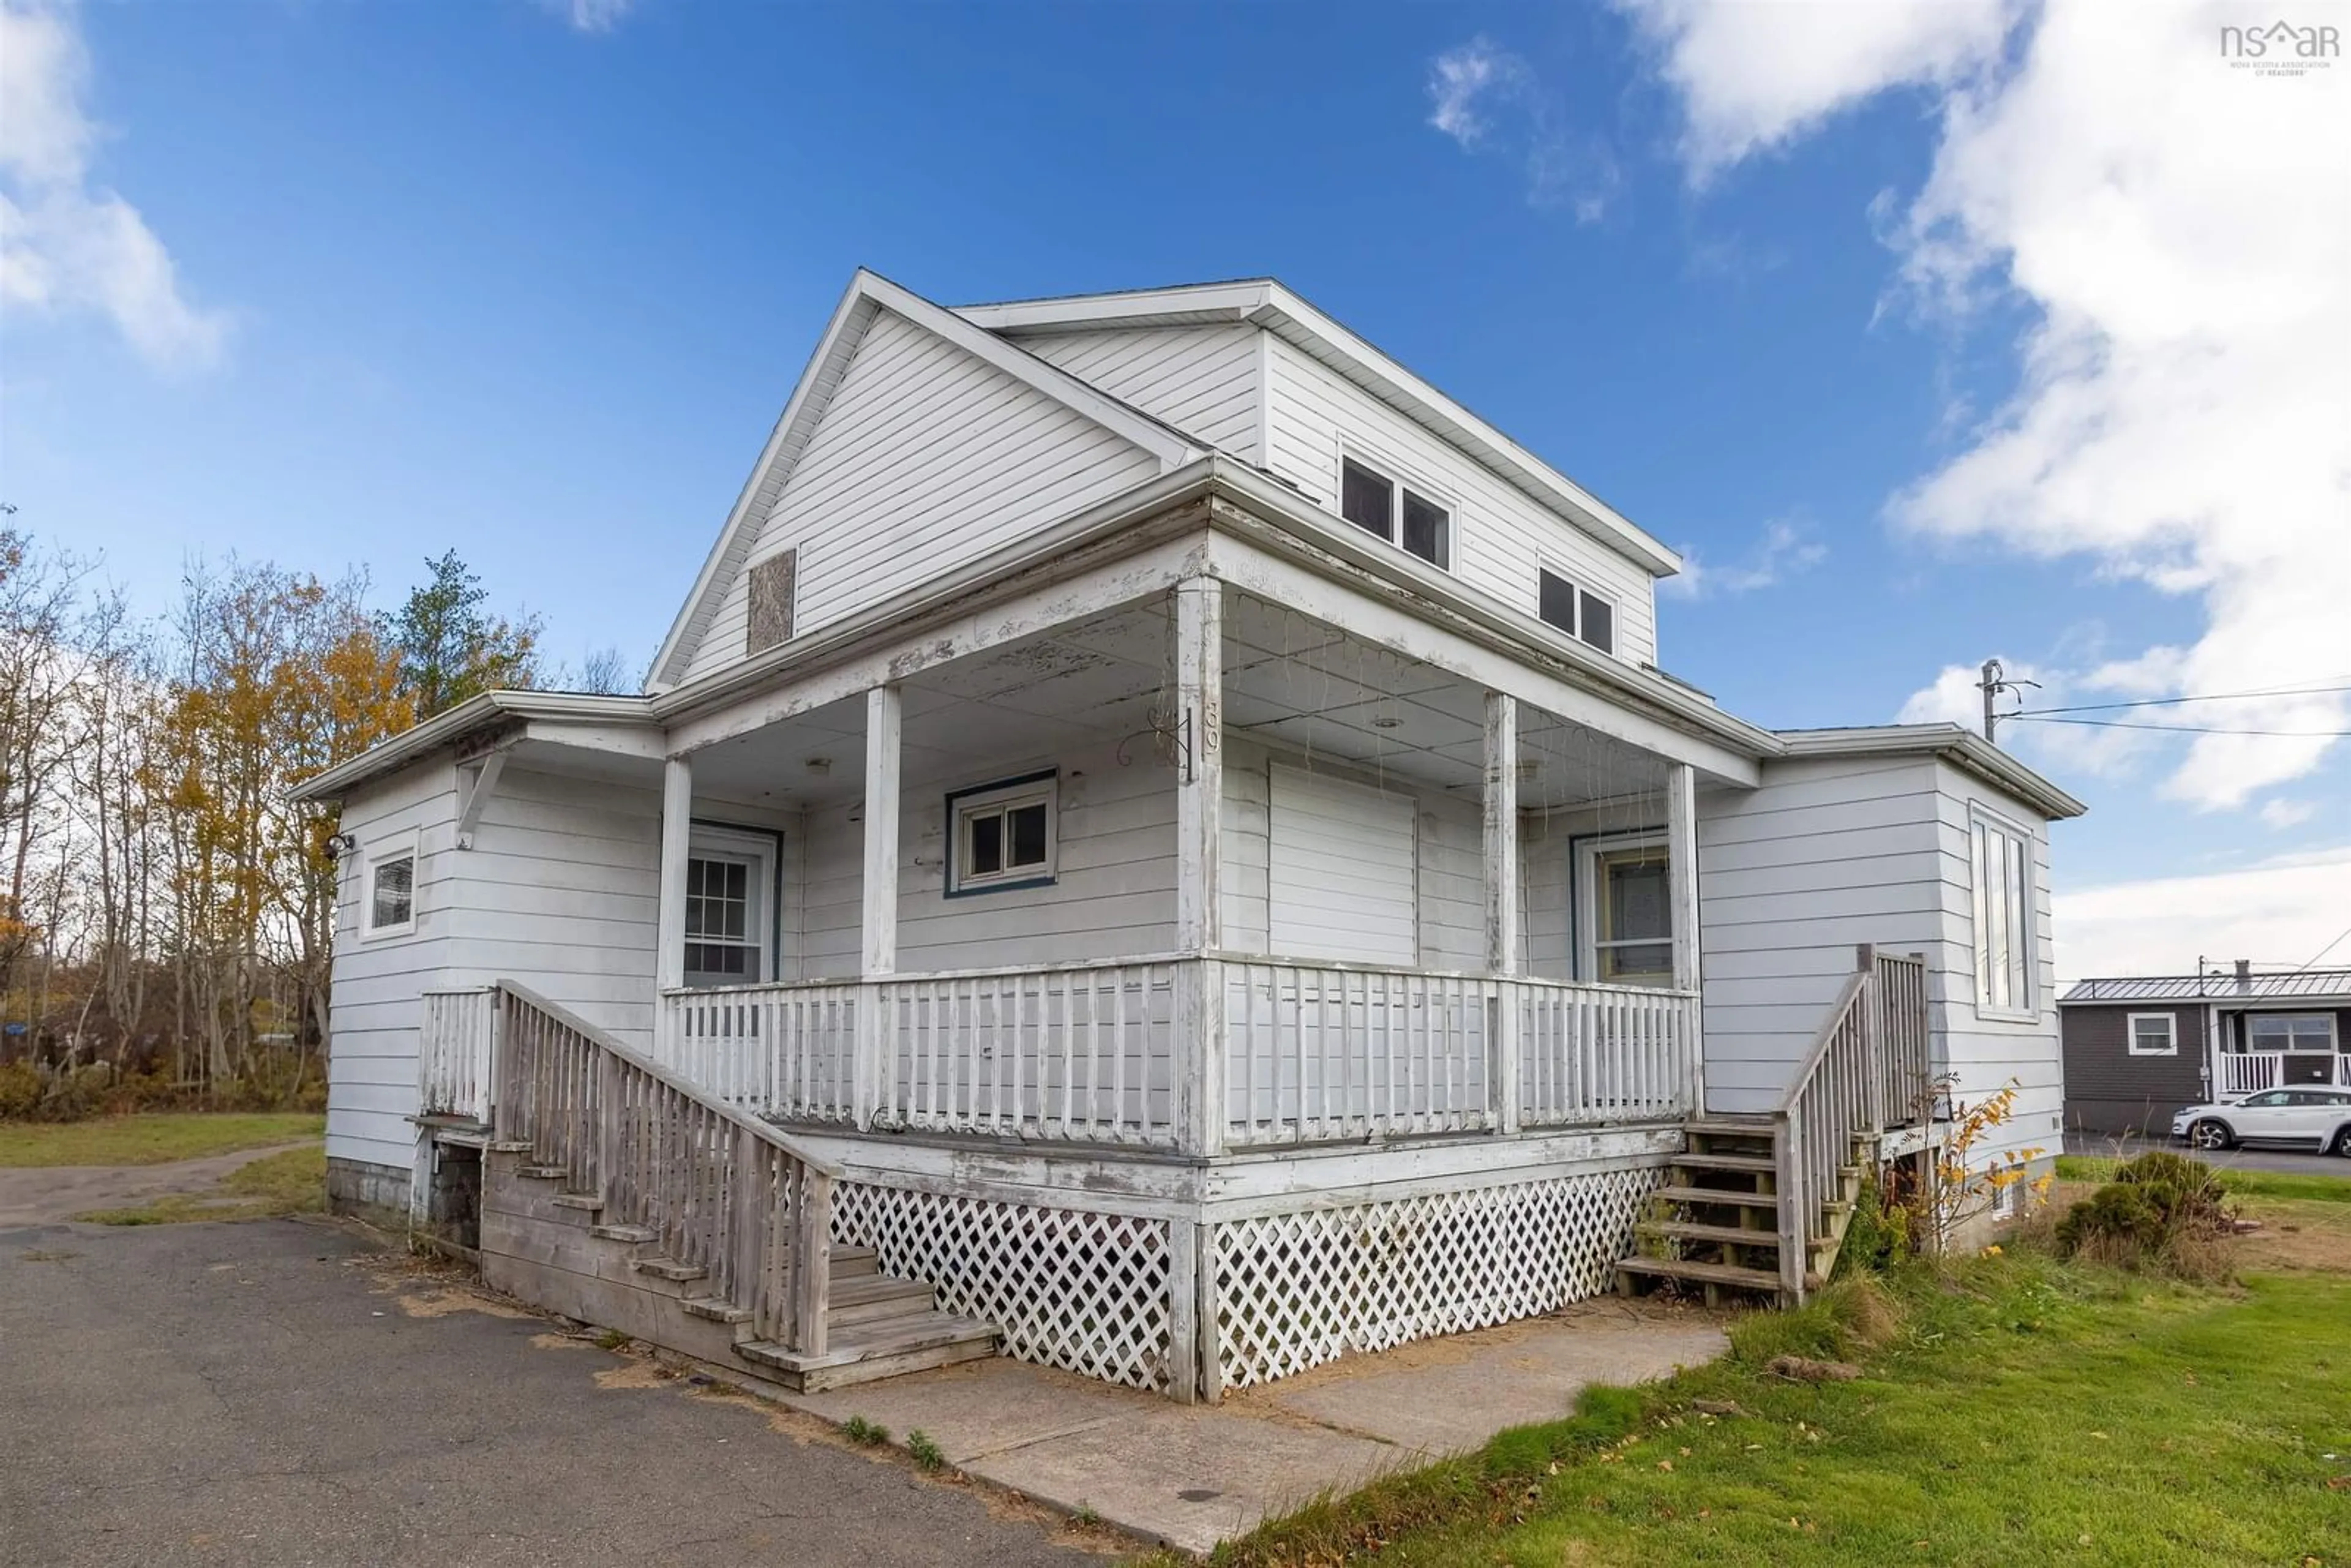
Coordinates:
720 1189
1868 1070
1604 1053
783 1051
1084 1051
456 1053
1308 1051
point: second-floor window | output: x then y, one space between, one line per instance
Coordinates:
1578 611
1397 513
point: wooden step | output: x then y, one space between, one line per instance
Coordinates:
542 1173
1730 1127
670 1269
631 1233
715 1310
877 1349
870 1298
509 1145
1698 1273
586 1202
1718 1195
1726 1235
1759 1165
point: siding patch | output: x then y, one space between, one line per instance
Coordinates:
770 606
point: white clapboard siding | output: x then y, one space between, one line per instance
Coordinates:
1201 380
1112 895
377 995
1503 534
1340 871
927 459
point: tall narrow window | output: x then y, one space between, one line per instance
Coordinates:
388 887
1626 910
2003 918
730 924
1397 513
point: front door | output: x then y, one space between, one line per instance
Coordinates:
730 908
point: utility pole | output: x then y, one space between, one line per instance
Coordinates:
1990 685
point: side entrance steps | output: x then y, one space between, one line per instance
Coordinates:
1715 1225
878 1325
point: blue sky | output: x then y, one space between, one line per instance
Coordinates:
533 281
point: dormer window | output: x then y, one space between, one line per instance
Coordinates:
1579 612
1397 513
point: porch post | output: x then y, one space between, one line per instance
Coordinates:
1502 960
1199 903
1681 880
669 917
883 717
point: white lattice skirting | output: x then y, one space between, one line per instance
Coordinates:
1070 1289
1297 1289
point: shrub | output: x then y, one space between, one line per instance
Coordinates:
20 1090
2162 1213
868 1434
925 1449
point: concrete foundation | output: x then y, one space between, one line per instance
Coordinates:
377 1194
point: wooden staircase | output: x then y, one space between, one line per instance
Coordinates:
618 1193
1759 1204
1715 1225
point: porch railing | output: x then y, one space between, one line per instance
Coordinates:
721 1190
1867 1071
1308 1051
456 1052
2250 1072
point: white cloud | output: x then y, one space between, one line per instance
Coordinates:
66 245
1488 100
1754 77
2183 232
2281 913
2287 813
1784 550
591 16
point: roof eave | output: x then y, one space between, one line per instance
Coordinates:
474 713
1963 746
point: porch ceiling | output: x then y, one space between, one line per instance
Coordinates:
1291 681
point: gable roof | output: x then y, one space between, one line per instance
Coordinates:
868 295
1264 302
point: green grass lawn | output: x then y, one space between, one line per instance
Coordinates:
152 1139
2013 1411
291 1181
2238 1183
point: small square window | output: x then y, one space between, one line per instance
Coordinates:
1579 612
1003 835
2154 1034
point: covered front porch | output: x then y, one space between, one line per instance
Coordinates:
1199 873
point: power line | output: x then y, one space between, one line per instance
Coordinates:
2165 702
2183 729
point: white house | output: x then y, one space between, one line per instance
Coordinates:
1159 842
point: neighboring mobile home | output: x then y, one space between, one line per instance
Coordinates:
2139 1049
1159 841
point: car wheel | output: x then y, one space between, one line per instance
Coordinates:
2211 1136
2343 1141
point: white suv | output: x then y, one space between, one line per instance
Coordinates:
2304 1117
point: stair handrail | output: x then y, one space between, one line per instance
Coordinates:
722 1190
1837 1086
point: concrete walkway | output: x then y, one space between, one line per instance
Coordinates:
44 1195
1192 1475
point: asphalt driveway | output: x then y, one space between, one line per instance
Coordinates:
277 1393
2226 1159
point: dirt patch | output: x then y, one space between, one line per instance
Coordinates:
558 1342
442 1302
633 1375
2313 1236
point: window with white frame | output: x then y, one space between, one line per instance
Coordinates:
1626 910
2154 1034
1578 611
730 923
388 887
2290 1031
1003 835
2003 862
1398 513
